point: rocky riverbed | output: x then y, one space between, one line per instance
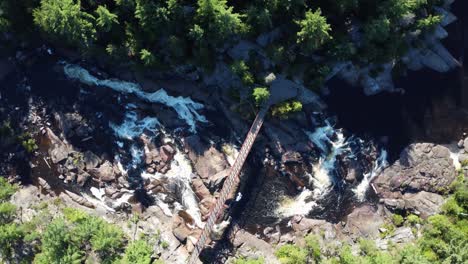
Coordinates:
118 143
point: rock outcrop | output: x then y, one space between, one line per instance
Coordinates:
421 167
413 181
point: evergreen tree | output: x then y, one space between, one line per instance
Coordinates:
64 20
315 31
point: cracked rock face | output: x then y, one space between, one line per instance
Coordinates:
421 167
413 181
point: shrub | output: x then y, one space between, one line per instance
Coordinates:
313 247
107 241
413 219
58 245
243 260
429 23
283 110
147 57
138 252
291 254
367 247
397 220
7 212
6 189
260 95
10 235
241 69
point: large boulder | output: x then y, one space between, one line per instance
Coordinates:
207 159
73 124
421 167
303 226
364 221
106 172
250 246
91 160
58 150
422 203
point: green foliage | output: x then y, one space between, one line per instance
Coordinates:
315 31
6 189
249 261
105 19
241 69
284 109
107 241
29 144
378 29
218 21
429 22
397 220
10 236
147 57
413 220
313 247
138 252
346 257
291 254
260 95
7 212
58 245
63 20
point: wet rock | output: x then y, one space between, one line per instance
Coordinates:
58 150
167 153
421 167
218 230
79 199
44 185
207 159
200 189
91 160
461 144
105 172
205 206
215 182
82 178
73 124
463 158
180 230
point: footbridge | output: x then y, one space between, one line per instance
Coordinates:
280 90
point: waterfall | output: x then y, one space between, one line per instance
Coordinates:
133 126
185 107
378 166
331 144
181 175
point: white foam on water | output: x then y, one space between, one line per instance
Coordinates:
297 206
331 143
379 164
181 175
185 107
132 127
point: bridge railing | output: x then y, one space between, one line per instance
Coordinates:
230 183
